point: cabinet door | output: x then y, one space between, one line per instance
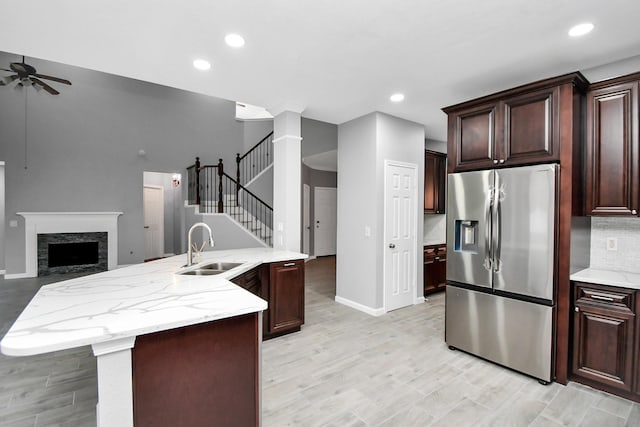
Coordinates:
472 136
286 296
434 182
530 128
604 337
435 269
612 150
430 284
441 268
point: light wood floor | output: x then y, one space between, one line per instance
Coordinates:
344 368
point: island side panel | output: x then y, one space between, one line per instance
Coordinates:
205 374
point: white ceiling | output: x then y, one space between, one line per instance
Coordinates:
333 61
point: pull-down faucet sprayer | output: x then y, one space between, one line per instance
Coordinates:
190 249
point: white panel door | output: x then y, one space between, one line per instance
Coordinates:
306 218
153 205
325 212
400 213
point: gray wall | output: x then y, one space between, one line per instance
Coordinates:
2 222
253 131
82 147
363 146
433 145
317 137
227 234
356 254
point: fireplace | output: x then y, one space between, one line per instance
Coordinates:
61 253
70 224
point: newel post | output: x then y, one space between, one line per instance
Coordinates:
237 176
197 180
220 173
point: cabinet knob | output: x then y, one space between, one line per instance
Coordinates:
501 161
577 310
633 211
495 162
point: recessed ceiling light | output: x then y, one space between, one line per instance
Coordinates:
201 64
234 40
397 97
581 29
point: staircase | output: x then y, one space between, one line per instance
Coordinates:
214 191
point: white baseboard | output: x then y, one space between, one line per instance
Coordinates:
370 311
168 255
17 276
419 300
2 272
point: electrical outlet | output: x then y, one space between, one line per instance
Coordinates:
612 244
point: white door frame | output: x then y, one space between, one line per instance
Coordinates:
315 217
414 275
306 218
144 207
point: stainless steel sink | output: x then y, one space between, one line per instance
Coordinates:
211 269
222 266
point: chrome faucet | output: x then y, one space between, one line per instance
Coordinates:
190 250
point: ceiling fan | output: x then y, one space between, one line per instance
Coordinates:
28 76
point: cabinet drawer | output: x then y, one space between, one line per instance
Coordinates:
606 296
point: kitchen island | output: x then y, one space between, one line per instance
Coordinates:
166 344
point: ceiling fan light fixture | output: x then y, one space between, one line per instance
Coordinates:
581 29
234 40
202 64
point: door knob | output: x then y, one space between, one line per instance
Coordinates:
391 245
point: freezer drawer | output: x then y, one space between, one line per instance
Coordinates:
513 333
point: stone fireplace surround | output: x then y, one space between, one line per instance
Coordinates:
67 222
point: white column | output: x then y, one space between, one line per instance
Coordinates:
115 385
287 181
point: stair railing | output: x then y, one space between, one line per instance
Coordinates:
205 185
213 190
254 161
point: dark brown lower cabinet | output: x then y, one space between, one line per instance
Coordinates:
281 284
199 375
286 297
605 337
435 268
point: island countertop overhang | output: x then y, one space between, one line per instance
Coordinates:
135 300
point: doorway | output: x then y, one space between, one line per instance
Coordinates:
325 211
153 206
400 210
306 218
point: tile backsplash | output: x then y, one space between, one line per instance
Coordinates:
626 232
435 228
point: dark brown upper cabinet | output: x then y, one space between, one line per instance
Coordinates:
435 176
516 127
612 147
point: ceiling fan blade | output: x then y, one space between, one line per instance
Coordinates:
55 79
8 79
44 86
4 69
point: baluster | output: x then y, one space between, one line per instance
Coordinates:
220 172
197 180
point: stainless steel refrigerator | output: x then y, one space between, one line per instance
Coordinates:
500 297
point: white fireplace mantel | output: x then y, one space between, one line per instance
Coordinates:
68 222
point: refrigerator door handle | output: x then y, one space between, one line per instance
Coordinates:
488 256
497 205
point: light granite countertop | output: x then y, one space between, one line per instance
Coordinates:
433 242
623 279
135 300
